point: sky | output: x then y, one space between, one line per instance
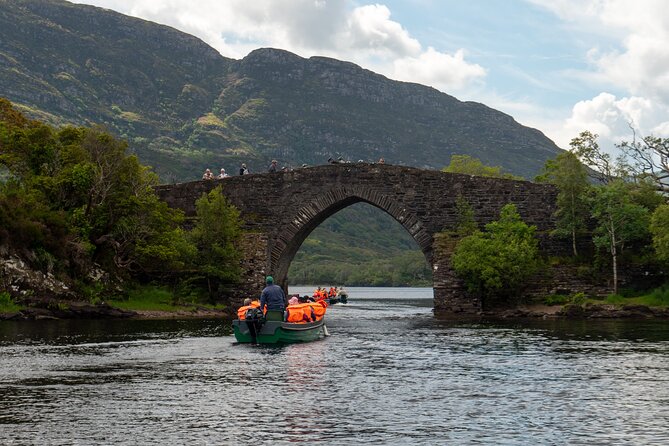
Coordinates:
561 66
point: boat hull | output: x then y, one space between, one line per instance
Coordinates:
277 332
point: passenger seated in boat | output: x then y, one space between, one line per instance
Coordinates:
293 300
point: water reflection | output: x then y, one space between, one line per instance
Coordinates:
389 374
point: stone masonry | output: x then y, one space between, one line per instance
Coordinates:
280 210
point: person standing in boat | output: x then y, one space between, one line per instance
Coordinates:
272 296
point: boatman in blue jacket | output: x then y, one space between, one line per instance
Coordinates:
272 296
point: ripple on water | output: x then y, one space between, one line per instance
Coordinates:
388 374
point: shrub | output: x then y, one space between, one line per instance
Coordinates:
7 304
577 298
556 299
495 264
615 299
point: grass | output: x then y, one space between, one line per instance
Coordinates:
211 120
148 298
7 305
659 297
154 298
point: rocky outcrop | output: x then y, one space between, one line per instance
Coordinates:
23 282
53 309
603 311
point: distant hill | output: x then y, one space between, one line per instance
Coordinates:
183 107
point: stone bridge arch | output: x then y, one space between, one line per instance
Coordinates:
310 216
279 210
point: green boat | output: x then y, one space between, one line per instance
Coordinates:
257 329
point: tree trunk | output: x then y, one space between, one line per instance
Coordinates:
573 223
614 258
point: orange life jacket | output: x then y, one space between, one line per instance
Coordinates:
307 312
241 313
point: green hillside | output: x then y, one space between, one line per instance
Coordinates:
183 107
360 245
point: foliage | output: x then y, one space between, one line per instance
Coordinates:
658 297
650 159
563 299
603 167
469 165
79 198
495 263
7 304
619 221
465 222
570 177
147 298
615 299
556 299
216 235
659 227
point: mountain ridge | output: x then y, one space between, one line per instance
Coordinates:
182 106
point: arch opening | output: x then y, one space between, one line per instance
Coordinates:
357 242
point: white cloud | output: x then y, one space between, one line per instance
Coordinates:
631 56
365 34
640 63
611 118
440 70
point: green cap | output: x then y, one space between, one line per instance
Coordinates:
269 280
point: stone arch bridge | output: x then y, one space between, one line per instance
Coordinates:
280 210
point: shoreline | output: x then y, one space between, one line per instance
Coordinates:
80 310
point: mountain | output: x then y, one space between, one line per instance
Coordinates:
183 107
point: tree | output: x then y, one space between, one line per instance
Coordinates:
495 263
465 224
603 168
79 186
659 227
468 165
569 175
619 219
650 157
216 235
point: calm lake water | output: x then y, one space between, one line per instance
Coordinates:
389 373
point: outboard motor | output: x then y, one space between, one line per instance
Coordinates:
255 319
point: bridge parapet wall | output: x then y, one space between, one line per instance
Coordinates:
283 208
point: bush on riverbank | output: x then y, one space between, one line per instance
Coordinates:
7 304
496 263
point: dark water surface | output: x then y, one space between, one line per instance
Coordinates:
388 374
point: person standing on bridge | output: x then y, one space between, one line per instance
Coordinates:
272 296
272 167
222 174
243 170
